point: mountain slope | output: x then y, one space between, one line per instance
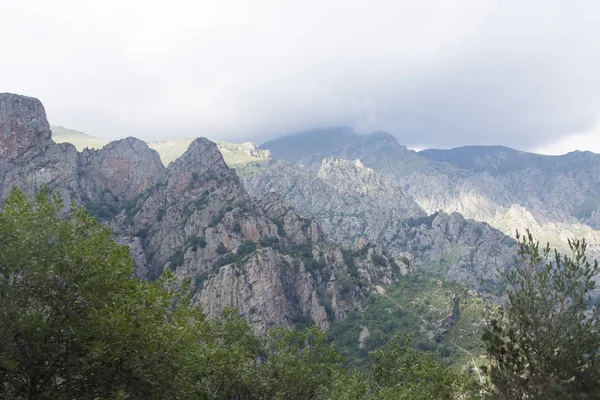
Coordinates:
355 205
78 139
569 183
245 157
555 197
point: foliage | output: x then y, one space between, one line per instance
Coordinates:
544 342
269 241
246 247
379 260
177 259
160 213
221 249
398 371
74 323
215 220
420 305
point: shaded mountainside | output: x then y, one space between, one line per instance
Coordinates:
555 197
196 218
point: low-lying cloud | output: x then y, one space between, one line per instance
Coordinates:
435 73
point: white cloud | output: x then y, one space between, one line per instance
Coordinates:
434 72
589 140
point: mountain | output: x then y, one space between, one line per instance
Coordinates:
245 157
556 197
196 218
568 184
78 139
356 205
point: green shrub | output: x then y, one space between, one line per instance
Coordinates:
221 249
247 247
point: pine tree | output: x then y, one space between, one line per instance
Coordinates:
544 342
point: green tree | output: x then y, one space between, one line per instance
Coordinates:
74 322
400 372
281 364
397 371
544 342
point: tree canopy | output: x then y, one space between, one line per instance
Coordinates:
544 342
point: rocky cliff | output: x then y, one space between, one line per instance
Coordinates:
356 205
195 218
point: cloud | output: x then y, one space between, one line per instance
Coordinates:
435 73
589 140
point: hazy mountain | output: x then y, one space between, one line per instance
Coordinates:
354 205
78 139
245 157
557 197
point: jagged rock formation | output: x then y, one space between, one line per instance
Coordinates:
235 155
354 205
28 155
556 197
23 126
196 218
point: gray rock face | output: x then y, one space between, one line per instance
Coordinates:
556 197
257 255
123 169
355 205
195 218
23 126
351 202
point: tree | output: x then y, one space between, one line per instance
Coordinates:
544 342
74 322
400 372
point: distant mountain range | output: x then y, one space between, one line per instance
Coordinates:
246 156
557 197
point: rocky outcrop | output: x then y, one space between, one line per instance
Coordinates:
352 203
195 218
355 205
259 255
23 126
122 169
248 148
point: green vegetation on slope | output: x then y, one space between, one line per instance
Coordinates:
441 315
78 139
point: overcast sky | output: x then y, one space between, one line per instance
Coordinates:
435 73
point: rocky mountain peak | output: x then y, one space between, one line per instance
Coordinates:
23 126
384 139
332 163
201 155
125 167
201 159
